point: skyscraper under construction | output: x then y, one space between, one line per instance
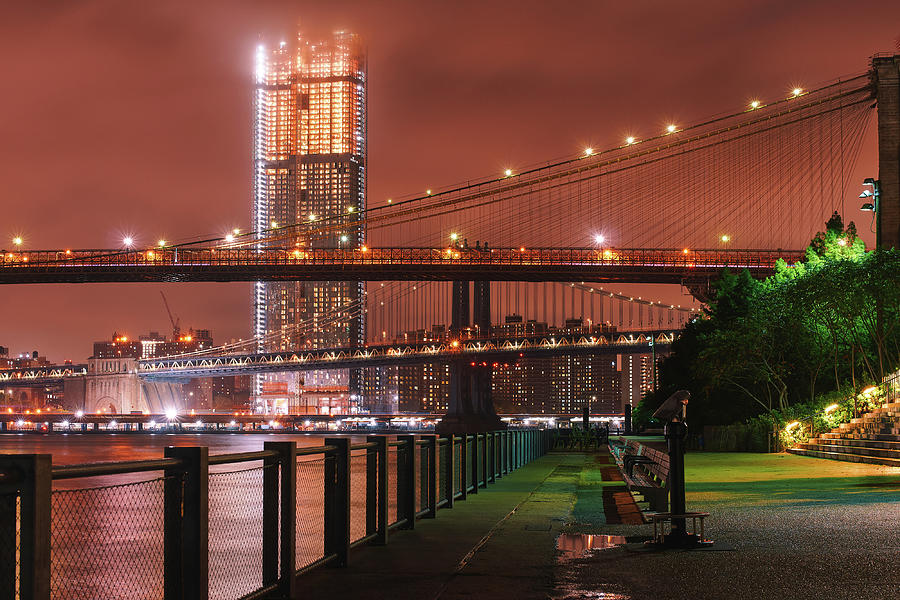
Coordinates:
309 186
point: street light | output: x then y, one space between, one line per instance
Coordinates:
875 195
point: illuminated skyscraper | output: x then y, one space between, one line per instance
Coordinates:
309 189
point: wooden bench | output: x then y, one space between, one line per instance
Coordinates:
646 471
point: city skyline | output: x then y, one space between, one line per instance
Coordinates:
54 321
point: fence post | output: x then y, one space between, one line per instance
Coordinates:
30 479
280 499
374 459
190 562
464 466
434 475
337 501
406 473
450 468
475 462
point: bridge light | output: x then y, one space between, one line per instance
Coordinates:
588 151
428 192
161 243
796 91
365 248
229 238
725 239
671 129
629 140
390 201
128 241
599 238
312 217
508 172
351 209
685 251
171 414
236 230
17 241
79 414
274 224
754 104
343 238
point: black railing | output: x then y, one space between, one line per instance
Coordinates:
229 526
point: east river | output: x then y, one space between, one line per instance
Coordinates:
107 532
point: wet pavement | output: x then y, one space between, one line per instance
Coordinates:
565 528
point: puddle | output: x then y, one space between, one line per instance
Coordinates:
572 594
573 546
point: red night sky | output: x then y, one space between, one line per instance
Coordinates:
134 117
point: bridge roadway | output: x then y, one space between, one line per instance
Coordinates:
474 349
174 264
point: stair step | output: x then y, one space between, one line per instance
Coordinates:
878 437
870 438
873 460
864 442
857 450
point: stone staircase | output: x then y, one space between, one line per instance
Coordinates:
872 438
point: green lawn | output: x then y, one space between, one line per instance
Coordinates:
746 478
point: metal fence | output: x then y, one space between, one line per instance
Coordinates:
231 526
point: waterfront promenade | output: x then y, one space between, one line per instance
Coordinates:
785 527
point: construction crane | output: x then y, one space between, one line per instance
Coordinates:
176 322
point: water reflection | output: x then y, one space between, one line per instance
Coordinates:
573 546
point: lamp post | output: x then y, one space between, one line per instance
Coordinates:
875 195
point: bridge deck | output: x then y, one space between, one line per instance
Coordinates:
383 264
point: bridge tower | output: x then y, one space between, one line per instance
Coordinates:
471 408
886 80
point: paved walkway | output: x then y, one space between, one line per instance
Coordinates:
785 527
499 543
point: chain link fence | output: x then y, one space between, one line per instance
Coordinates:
444 487
397 456
107 542
470 448
236 532
310 510
457 465
358 491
